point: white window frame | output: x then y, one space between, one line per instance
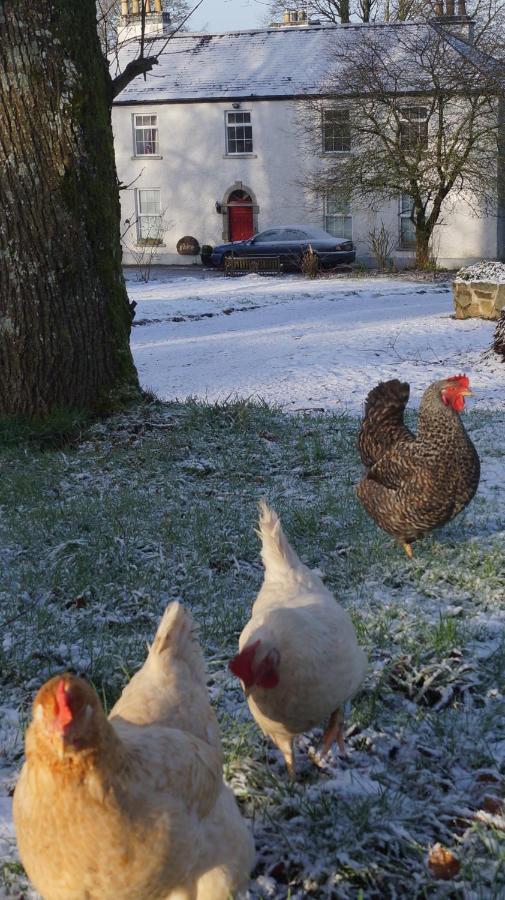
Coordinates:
145 128
238 125
327 127
153 236
405 204
341 211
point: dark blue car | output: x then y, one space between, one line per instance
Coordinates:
289 243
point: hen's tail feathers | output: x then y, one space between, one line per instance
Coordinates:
383 425
176 637
174 664
279 558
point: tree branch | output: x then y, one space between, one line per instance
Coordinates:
134 68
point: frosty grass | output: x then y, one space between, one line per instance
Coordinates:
159 505
490 270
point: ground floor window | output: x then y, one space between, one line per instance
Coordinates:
407 227
149 219
337 216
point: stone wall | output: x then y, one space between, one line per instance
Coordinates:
478 299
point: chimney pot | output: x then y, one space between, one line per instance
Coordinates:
439 8
124 7
461 8
449 7
157 6
286 16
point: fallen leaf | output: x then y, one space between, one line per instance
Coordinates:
442 863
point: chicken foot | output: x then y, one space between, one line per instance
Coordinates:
408 550
334 732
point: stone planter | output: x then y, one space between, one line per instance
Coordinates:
478 299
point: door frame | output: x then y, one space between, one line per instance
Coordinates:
237 186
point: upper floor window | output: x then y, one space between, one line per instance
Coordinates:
149 218
407 227
337 216
239 132
336 131
145 130
413 127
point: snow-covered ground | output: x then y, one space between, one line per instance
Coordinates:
151 519
301 343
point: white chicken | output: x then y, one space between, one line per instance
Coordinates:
132 807
298 660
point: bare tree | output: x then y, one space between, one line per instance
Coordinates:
339 12
109 21
423 118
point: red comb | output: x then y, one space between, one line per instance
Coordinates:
463 380
64 713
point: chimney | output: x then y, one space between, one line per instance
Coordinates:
157 21
293 17
459 24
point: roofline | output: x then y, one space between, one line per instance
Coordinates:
249 98
288 29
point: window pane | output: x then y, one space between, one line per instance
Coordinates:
339 226
150 227
406 204
267 236
238 132
336 131
414 127
146 135
337 204
149 202
407 233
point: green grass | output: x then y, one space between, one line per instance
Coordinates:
160 503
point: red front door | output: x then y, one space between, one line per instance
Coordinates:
240 222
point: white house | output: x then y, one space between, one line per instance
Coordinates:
209 145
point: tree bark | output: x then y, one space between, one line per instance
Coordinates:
499 337
64 314
423 255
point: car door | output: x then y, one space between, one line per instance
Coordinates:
261 244
269 243
296 244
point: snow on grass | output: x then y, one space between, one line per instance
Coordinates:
160 504
305 344
489 270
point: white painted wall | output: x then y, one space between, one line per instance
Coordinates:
193 172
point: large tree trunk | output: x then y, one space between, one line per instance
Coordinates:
64 313
423 252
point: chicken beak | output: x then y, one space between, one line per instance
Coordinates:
466 392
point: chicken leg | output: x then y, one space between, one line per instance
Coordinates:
334 732
408 550
286 746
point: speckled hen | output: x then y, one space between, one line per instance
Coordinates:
416 482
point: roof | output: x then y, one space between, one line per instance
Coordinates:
263 63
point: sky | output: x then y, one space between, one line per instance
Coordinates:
226 15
